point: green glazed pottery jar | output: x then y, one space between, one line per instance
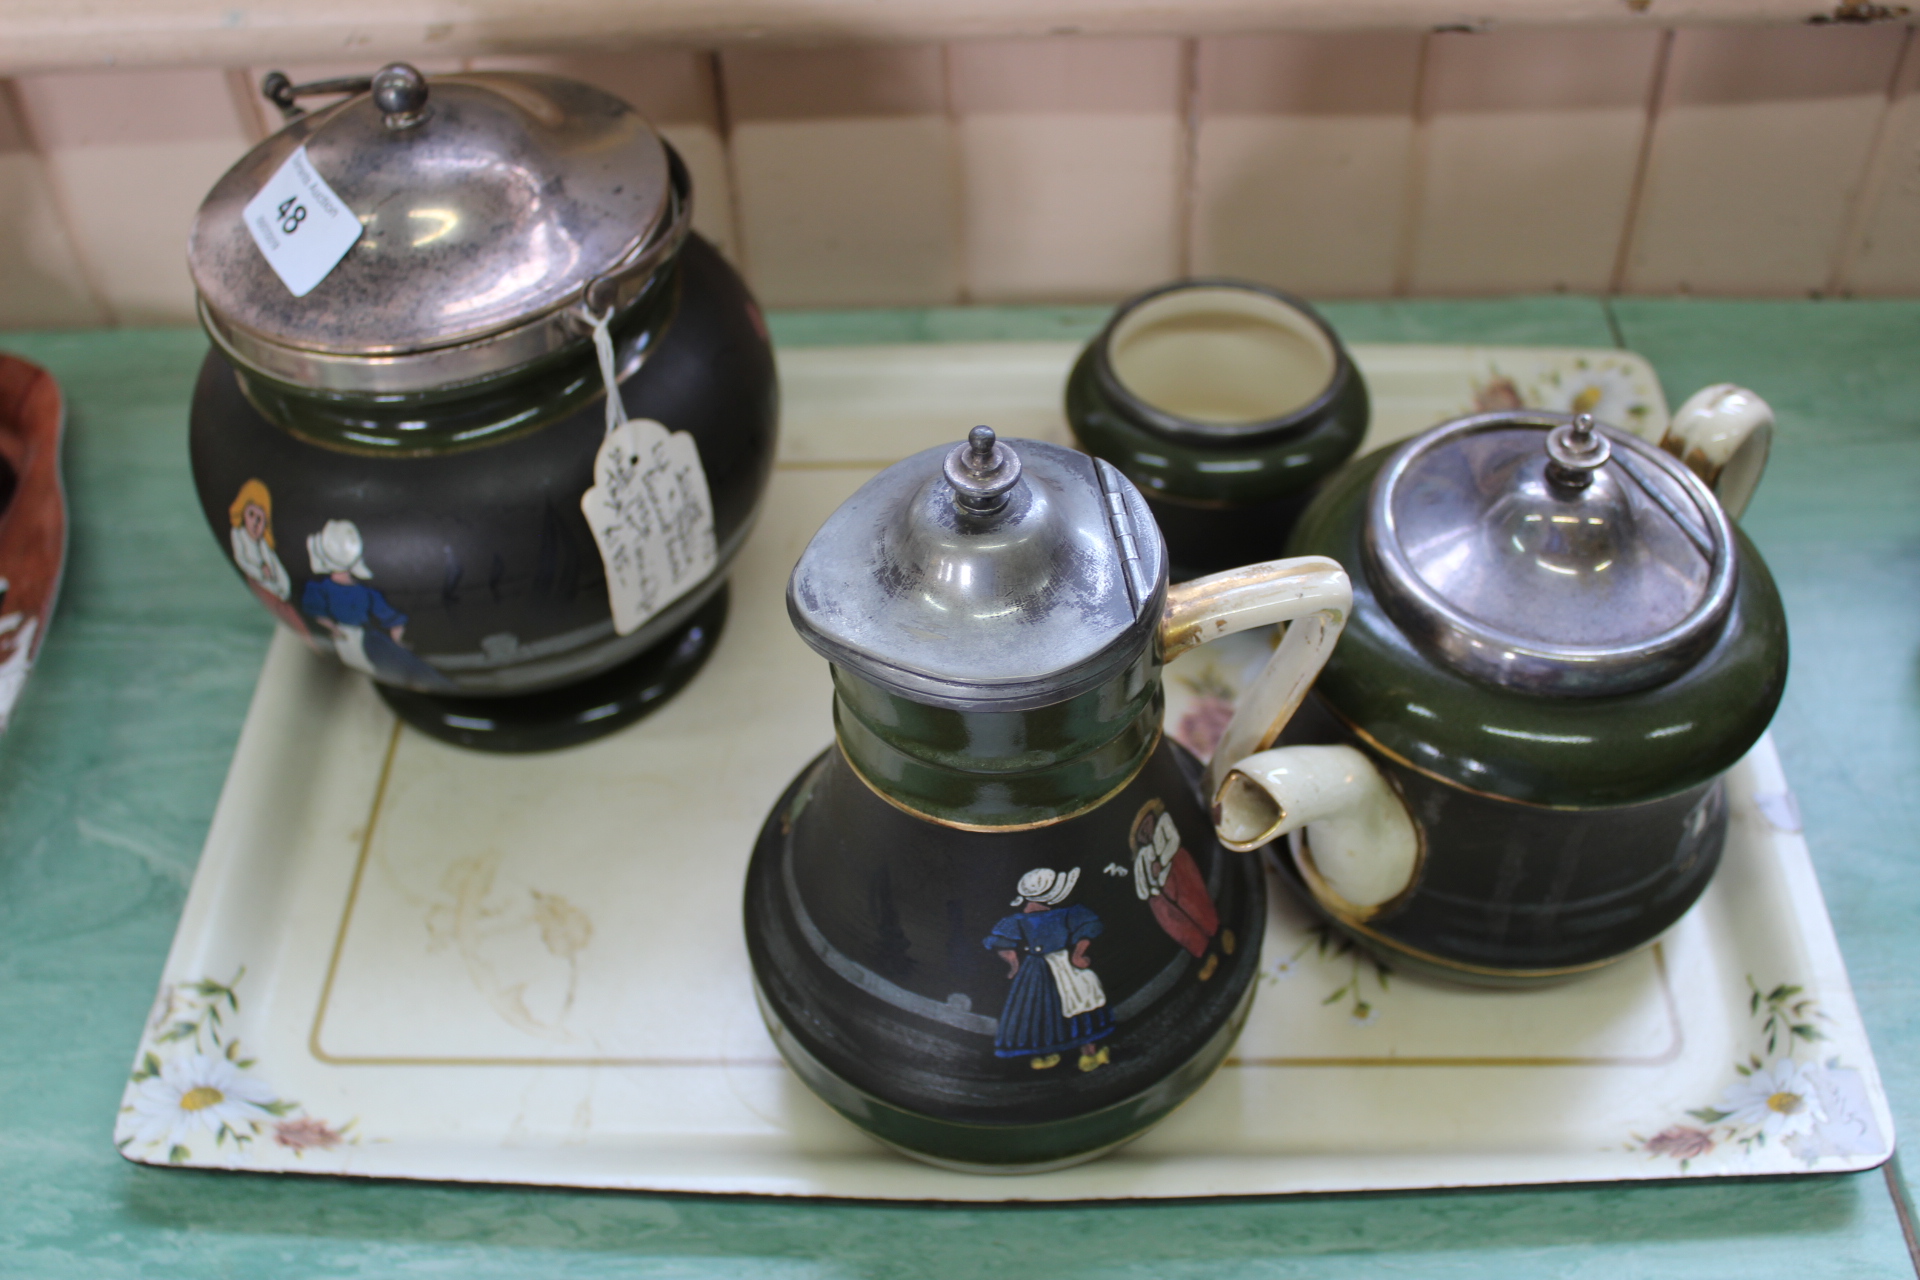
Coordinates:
482 418
1560 643
991 924
1225 402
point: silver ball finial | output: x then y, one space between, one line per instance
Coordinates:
400 91
982 472
1575 450
981 441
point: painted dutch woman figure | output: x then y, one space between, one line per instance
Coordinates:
254 554
1056 1002
1168 880
366 630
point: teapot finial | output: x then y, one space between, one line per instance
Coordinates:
982 472
400 91
1575 451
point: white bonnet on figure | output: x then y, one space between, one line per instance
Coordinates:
337 549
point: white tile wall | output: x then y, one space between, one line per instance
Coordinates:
1073 156
131 154
1759 151
846 174
1728 160
1532 139
41 281
1303 150
1886 257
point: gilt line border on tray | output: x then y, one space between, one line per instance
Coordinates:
1670 1054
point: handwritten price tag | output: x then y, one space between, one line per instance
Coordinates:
302 227
652 516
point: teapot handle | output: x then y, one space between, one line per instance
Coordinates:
1723 433
1311 593
1365 849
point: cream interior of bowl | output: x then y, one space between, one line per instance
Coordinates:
1221 355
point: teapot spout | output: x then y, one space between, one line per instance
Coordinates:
1361 849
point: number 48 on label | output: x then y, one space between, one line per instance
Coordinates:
297 199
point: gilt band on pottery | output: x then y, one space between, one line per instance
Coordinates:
1225 402
1572 809
415 462
876 938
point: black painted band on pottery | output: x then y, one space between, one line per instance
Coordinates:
1558 752
1224 494
872 933
485 550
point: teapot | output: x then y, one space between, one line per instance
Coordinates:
991 924
1560 642
482 418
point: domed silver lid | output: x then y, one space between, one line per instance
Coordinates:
1544 552
500 211
996 575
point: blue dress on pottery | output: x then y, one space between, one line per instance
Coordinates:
1034 1021
365 610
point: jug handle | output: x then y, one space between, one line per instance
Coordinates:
1723 433
1310 593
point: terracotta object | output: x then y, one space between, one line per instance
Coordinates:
33 519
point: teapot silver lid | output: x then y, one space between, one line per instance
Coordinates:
996 575
499 211
1548 553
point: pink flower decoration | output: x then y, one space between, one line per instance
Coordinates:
1680 1141
304 1133
1205 720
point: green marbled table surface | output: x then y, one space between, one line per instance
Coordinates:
110 772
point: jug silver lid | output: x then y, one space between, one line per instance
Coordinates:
500 211
996 575
1549 553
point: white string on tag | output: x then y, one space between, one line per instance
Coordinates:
603 347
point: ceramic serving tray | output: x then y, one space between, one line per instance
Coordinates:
401 959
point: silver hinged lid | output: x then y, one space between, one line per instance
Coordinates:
501 210
1546 553
994 575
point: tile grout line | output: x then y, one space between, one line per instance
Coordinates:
1623 255
1896 1188
1613 321
723 117
957 168
1186 225
1873 180
1415 196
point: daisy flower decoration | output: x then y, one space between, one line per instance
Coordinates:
1608 391
1781 1100
195 1094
